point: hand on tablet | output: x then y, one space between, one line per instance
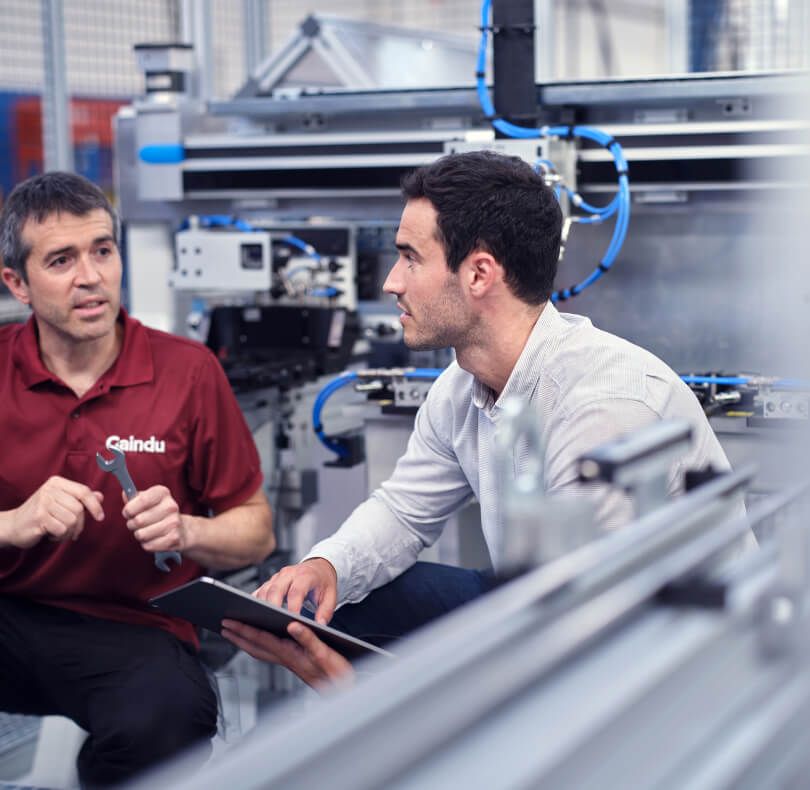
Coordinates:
308 657
295 582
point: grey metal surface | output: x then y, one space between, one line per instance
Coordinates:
685 87
57 140
329 51
195 21
573 676
254 29
707 286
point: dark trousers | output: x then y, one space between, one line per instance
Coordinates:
141 693
424 592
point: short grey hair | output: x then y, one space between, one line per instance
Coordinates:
37 198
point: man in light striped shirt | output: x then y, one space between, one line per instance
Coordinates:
478 245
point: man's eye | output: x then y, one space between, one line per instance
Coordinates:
104 251
60 261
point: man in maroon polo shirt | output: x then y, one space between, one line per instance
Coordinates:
77 636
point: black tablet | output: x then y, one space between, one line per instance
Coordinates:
206 601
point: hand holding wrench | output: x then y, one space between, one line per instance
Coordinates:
118 466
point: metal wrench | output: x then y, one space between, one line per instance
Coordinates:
118 466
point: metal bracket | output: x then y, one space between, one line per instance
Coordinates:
640 462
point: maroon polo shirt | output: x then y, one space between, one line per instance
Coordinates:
167 403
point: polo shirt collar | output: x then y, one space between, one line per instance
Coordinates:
133 365
524 375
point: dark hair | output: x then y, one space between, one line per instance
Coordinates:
499 204
37 198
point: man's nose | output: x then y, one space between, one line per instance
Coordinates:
86 271
393 283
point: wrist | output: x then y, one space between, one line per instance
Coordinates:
7 529
190 528
322 562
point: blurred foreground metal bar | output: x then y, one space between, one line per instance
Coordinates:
579 675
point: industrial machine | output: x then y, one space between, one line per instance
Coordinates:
714 166
636 660
261 212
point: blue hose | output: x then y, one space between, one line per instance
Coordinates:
317 407
620 203
294 241
432 373
342 380
745 380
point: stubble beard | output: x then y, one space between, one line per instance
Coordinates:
449 327
66 326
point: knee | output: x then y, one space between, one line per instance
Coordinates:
160 722
182 715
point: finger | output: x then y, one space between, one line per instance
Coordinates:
329 661
156 524
78 528
266 646
251 648
249 633
262 590
162 536
57 531
78 491
92 501
326 606
75 529
166 518
60 518
275 590
285 652
146 499
143 511
301 586
146 533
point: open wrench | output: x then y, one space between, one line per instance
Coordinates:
118 466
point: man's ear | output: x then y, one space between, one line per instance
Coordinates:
482 271
15 283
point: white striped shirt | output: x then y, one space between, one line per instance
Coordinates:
586 386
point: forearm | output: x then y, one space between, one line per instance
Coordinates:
240 536
7 529
371 548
